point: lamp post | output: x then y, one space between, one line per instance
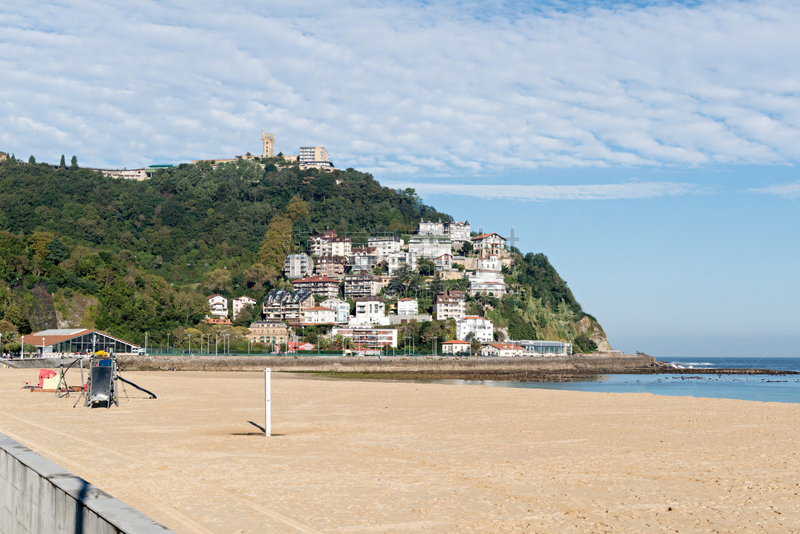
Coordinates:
190 344
167 340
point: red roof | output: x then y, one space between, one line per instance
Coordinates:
487 235
319 308
456 342
505 346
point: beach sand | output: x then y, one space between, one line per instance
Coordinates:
364 456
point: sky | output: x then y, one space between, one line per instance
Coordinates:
648 149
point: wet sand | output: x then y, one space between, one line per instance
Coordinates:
366 456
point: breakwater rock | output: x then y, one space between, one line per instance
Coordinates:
594 363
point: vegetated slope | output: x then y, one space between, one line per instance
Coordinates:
149 251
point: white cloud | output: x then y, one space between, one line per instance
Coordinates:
790 190
463 89
630 190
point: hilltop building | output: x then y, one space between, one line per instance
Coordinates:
268 140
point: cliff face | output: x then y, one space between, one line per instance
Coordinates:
595 333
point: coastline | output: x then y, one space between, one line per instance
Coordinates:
373 457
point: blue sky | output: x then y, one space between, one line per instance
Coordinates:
648 149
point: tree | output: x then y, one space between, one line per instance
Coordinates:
56 251
426 267
190 305
437 285
296 208
247 315
404 280
218 279
63 164
74 163
31 160
258 275
278 243
466 248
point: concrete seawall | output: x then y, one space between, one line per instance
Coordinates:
600 363
37 496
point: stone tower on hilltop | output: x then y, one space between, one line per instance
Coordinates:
269 144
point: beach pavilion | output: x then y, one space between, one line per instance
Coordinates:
75 340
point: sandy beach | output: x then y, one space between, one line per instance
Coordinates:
366 456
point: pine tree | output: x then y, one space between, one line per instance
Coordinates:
31 160
63 164
74 164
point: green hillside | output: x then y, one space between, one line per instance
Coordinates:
133 257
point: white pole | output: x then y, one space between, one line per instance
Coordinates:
268 402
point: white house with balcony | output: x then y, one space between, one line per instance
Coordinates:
370 310
385 245
340 308
481 329
241 303
319 315
407 306
218 305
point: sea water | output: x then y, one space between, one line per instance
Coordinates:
764 388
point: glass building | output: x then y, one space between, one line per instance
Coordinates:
72 341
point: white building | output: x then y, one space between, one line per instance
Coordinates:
395 260
492 263
385 245
502 349
298 266
457 231
329 244
430 227
241 303
219 305
319 315
430 246
370 310
374 338
487 245
407 306
340 308
456 347
480 327
443 262
312 154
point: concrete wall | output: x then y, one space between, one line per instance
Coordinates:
39 497
614 362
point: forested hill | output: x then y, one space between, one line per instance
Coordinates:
134 256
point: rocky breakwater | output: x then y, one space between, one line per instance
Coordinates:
594 364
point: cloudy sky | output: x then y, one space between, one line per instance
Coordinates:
648 149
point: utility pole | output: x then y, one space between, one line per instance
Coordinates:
216 345
190 344
168 341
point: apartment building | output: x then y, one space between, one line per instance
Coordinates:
450 304
371 338
328 243
395 260
318 285
298 266
288 306
487 245
330 266
361 285
385 245
312 154
480 327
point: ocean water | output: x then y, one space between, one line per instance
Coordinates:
752 388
